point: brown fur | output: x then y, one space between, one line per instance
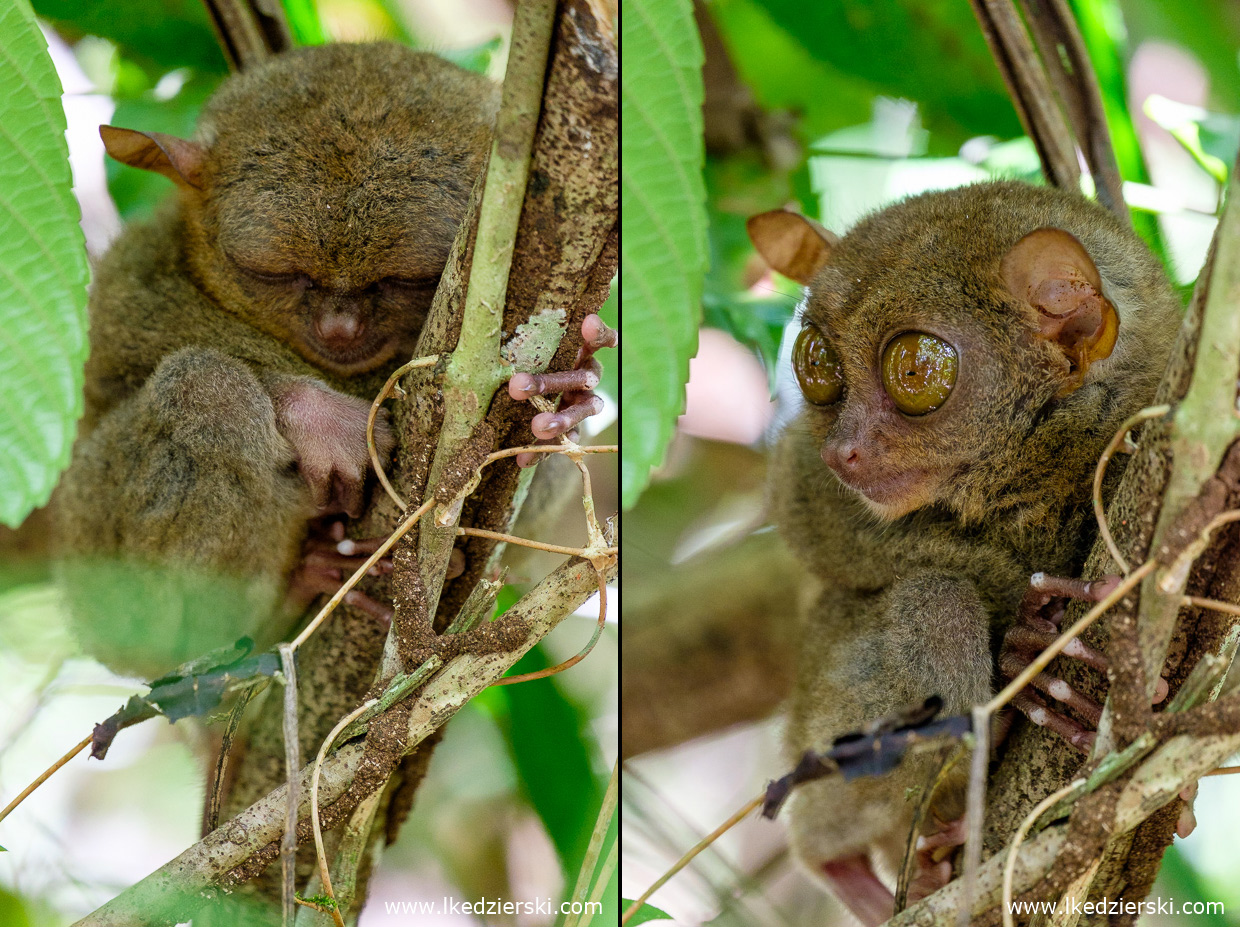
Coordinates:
326 185
917 605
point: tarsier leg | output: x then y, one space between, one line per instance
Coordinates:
577 400
1038 625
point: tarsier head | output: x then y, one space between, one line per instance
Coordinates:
942 334
323 190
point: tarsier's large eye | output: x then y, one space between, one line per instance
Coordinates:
919 371
817 367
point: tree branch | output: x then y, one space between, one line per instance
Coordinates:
177 889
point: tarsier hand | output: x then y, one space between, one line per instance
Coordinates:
577 402
328 432
1037 626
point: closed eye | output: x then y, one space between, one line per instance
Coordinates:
407 283
274 279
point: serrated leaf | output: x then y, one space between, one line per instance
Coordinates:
42 273
663 249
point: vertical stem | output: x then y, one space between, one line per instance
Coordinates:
476 369
1204 427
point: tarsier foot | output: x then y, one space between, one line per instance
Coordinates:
853 881
1037 626
1187 821
934 858
577 400
328 559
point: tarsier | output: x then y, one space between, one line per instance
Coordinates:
965 357
239 337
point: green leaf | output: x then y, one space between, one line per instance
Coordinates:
162 34
1184 124
43 273
663 249
930 51
774 63
475 58
550 747
646 912
303 22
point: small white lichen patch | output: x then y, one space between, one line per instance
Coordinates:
532 346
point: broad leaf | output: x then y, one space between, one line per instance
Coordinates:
663 249
43 273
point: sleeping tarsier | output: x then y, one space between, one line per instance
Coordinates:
964 356
239 337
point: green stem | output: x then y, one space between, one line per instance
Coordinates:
476 370
1205 425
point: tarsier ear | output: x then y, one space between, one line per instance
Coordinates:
177 159
1052 272
792 244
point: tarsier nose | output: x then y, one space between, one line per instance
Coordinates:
337 328
843 457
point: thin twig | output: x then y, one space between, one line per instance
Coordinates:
1176 574
214 800
581 655
585 553
601 824
375 462
45 775
321 854
604 877
292 765
698 847
919 816
550 449
1212 604
1009 867
1104 528
975 810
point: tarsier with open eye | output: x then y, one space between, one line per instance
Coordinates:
965 357
239 337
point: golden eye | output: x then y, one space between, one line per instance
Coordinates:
919 371
817 367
